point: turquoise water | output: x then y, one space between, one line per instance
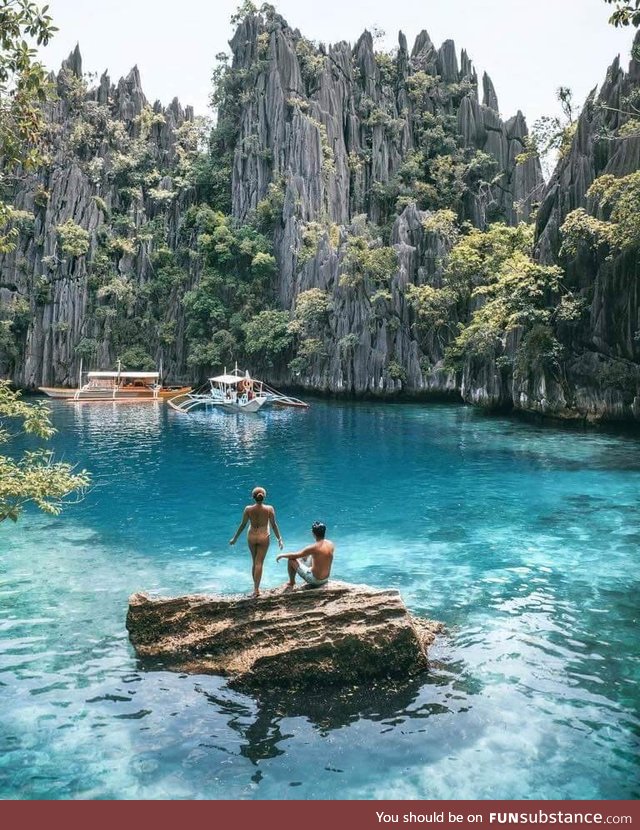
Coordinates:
524 540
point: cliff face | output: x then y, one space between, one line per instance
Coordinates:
335 133
337 129
340 161
601 377
55 286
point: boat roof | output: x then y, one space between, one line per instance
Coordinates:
229 379
126 375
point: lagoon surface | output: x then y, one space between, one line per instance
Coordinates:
524 540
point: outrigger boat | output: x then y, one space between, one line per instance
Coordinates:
117 386
235 391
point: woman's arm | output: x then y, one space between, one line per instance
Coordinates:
243 523
276 529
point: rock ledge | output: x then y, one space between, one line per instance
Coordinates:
337 635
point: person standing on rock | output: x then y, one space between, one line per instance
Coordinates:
260 517
321 553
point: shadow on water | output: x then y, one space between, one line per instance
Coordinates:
262 719
326 710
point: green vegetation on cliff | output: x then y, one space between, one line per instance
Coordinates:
617 227
493 285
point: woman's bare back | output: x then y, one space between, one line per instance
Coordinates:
259 516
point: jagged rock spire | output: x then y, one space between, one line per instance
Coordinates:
489 97
447 62
74 62
422 44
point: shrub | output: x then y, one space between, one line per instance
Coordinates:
136 358
312 307
267 334
74 240
395 371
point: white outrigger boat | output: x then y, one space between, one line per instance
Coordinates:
234 391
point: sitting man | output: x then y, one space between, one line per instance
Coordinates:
321 553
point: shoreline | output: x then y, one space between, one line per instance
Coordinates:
572 424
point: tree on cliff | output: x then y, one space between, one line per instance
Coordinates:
627 12
23 89
33 476
551 136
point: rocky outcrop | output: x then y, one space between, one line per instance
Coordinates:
93 140
336 635
333 128
601 372
598 376
341 143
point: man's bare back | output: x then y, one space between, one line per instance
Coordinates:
321 555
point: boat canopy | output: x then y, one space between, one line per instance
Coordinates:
125 375
229 379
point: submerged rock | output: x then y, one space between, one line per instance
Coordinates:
336 635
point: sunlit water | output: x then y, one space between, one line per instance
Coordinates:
524 540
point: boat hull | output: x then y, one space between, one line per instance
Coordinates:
166 393
250 406
129 394
187 403
52 392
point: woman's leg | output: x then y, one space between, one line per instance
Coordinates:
258 553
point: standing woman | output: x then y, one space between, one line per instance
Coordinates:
260 516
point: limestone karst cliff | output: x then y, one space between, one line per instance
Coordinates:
294 237
344 133
93 221
601 369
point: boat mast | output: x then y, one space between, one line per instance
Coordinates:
117 383
156 391
76 397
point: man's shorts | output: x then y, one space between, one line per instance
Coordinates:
304 571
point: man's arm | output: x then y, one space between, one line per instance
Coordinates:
301 554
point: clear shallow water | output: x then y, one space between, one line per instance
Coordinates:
524 540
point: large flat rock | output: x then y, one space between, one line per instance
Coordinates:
336 635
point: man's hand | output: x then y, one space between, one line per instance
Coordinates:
280 544
281 556
232 541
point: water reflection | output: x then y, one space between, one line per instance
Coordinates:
237 430
112 421
261 726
